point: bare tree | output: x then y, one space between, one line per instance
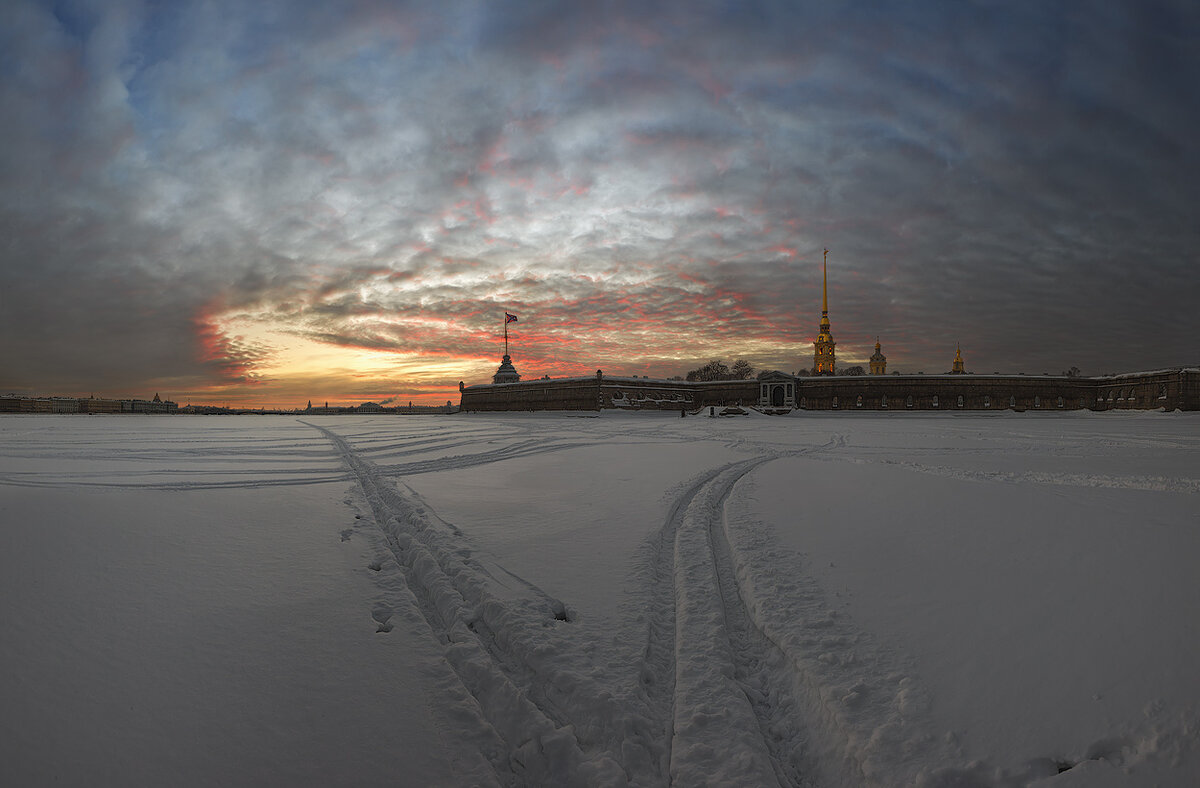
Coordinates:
741 369
713 370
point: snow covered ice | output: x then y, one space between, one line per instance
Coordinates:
601 599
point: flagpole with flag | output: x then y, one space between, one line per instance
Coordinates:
507 319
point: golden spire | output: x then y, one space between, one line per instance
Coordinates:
823 348
825 285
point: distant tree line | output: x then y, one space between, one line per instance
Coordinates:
717 370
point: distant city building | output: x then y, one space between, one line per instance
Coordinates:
14 404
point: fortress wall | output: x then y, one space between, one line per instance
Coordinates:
1167 389
725 392
1172 389
943 392
1189 388
606 392
646 394
561 394
643 394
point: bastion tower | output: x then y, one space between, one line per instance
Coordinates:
507 373
823 355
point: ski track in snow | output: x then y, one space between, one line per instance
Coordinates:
729 693
724 696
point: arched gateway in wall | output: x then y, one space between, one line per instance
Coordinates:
777 390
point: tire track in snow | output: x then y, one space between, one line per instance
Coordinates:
839 710
519 694
708 666
771 687
1155 483
716 734
255 481
461 461
656 679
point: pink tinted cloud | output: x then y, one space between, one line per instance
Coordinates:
227 360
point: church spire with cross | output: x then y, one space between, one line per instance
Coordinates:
823 348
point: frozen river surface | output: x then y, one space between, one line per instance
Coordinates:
554 599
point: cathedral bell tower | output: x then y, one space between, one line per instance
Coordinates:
823 355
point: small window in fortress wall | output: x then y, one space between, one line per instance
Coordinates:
1012 402
935 400
858 402
883 401
804 402
908 402
835 402
1037 402
987 402
1060 402
960 400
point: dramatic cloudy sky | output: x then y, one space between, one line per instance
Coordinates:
269 202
